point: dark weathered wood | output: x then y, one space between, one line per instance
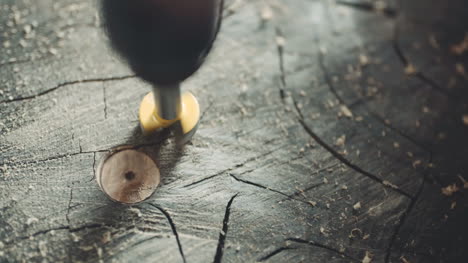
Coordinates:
317 142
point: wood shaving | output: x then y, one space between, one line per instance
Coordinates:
367 258
460 69
340 141
346 111
433 41
450 190
312 203
416 163
461 47
404 260
106 237
387 183
465 119
322 231
410 69
465 183
266 14
452 206
357 231
357 206
396 145
280 41
363 60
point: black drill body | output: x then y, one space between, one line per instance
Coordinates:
164 41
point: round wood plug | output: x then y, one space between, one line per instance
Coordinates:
128 176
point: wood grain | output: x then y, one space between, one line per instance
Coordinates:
318 142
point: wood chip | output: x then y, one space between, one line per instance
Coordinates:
346 111
404 260
465 119
322 231
416 163
266 14
340 141
461 47
465 183
450 190
433 41
460 69
363 60
280 41
410 69
106 237
367 258
312 203
387 183
357 206
452 206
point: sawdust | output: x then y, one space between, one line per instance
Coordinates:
363 60
387 183
460 69
450 190
346 111
465 119
465 183
357 206
433 42
417 163
367 258
267 13
453 205
340 141
410 69
460 48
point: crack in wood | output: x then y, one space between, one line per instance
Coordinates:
173 227
68 83
274 253
330 149
267 188
323 67
280 50
46 231
67 215
369 7
347 162
222 235
315 244
402 220
104 101
255 158
419 75
362 101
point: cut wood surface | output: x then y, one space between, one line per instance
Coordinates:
331 131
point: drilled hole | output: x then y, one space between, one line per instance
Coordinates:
129 175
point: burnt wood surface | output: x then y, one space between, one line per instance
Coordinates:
330 132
